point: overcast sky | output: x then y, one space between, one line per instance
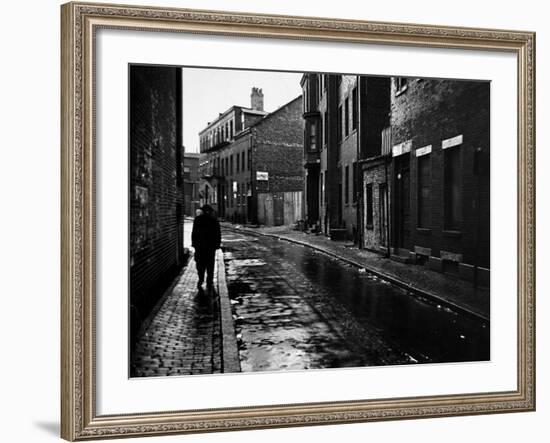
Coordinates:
208 92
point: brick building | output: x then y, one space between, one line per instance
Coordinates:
254 173
191 182
401 166
440 132
336 109
156 186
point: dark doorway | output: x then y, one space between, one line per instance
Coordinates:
313 195
402 202
278 209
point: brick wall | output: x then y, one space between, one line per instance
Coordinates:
278 142
156 186
426 113
375 234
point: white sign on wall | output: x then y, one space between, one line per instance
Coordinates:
402 148
262 176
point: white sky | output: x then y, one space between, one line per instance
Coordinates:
208 92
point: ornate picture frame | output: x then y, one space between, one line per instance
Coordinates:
79 417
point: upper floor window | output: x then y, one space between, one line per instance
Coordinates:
354 104
339 126
312 137
325 128
346 116
346 185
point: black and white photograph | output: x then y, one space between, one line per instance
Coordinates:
290 221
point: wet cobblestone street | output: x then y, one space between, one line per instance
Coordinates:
296 308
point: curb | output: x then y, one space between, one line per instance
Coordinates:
389 278
230 350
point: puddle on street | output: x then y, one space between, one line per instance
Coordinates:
302 309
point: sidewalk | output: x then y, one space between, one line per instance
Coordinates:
183 334
447 290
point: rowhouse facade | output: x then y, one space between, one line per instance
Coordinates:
256 174
337 138
441 175
401 166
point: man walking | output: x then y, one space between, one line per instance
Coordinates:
206 238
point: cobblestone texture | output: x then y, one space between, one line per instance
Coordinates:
182 337
296 308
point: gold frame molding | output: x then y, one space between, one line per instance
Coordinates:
79 21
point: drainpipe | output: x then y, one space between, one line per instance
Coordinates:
388 254
359 176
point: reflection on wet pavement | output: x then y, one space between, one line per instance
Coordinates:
296 308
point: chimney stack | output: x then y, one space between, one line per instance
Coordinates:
257 99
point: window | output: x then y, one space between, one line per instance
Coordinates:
354 182
325 128
231 165
312 137
320 132
323 193
369 214
382 212
400 85
339 126
346 116
355 99
231 129
424 184
249 159
346 182
452 191
234 193
237 163
243 160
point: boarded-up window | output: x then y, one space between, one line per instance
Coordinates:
424 186
453 194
